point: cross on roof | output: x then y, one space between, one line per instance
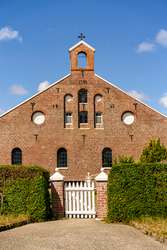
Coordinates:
81 36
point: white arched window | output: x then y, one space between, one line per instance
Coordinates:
68 98
98 98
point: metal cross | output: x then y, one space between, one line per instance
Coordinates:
81 36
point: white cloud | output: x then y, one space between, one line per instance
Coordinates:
163 100
138 95
161 37
145 47
43 85
7 33
18 90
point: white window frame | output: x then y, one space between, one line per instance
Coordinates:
68 116
99 117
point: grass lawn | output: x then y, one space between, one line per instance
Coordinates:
11 219
156 227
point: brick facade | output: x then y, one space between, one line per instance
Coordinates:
84 144
57 191
101 195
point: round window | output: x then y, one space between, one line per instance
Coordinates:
38 118
128 118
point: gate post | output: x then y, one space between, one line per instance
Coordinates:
57 193
101 195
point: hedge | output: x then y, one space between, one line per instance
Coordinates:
24 190
137 190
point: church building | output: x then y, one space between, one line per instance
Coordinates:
79 124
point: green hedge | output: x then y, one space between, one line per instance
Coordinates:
136 190
25 191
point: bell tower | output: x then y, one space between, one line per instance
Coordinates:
82 56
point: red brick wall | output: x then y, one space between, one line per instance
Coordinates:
101 199
57 191
84 146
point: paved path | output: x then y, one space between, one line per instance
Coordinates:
75 234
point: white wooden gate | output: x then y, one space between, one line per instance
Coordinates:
80 199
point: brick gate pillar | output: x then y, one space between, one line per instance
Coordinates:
57 194
101 195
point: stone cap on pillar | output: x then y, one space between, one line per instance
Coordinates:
102 176
57 176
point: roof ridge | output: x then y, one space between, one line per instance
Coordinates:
115 86
38 93
81 42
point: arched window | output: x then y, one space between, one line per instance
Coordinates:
16 156
68 98
98 98
98 111
62 158
107 158
83 96
82 60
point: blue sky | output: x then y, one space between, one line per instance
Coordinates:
130 38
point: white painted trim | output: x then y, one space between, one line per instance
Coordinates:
102 176
130 95
84 128
51 85
81 42
80 199
62 168
56 176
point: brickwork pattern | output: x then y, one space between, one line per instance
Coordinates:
84 146
101 199
57 191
